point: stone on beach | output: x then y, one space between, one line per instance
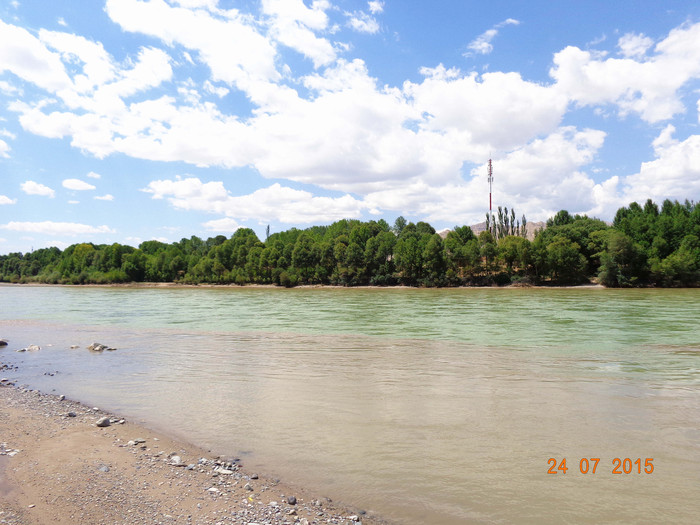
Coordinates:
103 422
30 348
99 347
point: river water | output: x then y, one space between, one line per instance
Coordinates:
426 406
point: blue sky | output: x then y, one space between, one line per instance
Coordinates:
129 120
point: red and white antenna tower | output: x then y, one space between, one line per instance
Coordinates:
490 190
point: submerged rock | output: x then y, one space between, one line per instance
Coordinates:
3 342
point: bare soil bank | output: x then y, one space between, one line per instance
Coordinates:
58 467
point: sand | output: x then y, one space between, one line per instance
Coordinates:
58 467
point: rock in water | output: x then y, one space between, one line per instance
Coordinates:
3 342
103 422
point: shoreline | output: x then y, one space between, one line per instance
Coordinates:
58 467
136 285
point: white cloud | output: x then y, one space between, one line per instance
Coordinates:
539 178
219 91
363 23
648 88
93 175
189 193
35 188
107 197
77 185
375 7
479 106
4 149
291 206
23 54
634 46
274 203
4 199
227 42
55 228
8 89
482 44
226 225
191 4
73 202
673 174
294 25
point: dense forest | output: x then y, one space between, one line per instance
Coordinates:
645 246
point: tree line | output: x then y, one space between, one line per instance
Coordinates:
644 246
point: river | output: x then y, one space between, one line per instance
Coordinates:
436 406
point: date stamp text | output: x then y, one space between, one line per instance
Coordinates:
593 466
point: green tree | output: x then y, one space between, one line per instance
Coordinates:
434 263
134 266
565 262
622 263
399 225
303 257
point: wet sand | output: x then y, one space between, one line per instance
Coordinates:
58 467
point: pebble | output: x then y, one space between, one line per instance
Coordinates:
99 347
103 422
292 500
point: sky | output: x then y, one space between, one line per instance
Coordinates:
130 120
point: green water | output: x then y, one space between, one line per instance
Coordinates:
427 406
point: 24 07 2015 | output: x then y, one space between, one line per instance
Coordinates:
590 466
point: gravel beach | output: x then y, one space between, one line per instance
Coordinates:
62 462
